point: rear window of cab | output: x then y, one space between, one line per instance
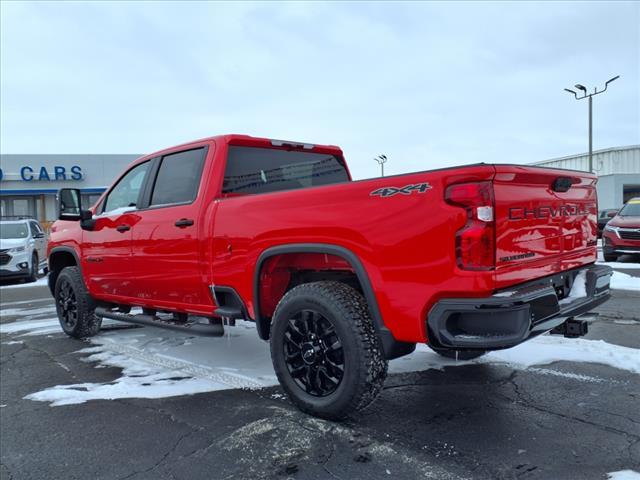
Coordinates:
251 170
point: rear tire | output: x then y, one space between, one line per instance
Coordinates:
610 257
325 351
74 305
33 269
459 354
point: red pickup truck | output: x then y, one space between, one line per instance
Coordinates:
339 275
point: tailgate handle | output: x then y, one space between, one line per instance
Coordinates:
562 184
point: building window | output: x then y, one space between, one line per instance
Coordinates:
18 206
629 192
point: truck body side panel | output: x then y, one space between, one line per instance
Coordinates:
398 239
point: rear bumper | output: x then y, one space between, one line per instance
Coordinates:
512 316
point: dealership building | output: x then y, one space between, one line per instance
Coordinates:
618 171
29 183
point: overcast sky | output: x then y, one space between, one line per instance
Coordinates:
428 84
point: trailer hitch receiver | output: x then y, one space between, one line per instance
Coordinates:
574 327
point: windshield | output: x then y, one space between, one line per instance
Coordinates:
631 209
13 230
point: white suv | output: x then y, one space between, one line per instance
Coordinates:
23 248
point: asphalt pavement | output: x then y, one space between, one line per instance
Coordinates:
565 420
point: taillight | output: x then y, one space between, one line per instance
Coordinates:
475 242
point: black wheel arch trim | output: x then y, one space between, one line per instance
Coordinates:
392 347
62 249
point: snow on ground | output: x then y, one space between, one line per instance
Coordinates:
621 265
40 281
624 475
29 312
624 281
139 379
160 363
32 327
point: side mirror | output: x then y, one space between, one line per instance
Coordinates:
612 214
69 206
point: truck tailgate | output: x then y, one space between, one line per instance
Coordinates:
543 227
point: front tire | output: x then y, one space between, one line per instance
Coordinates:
74 305
325 351
610 257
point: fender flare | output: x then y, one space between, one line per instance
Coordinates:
391 346
61 249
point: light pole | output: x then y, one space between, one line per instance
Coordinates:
590 96
381 159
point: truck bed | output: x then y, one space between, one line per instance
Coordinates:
403 233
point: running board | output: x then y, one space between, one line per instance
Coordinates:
194 328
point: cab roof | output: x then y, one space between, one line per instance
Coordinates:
249 141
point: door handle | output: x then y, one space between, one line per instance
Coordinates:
123 228
184 222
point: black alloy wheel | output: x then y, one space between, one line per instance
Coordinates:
313 353
325 350
67 305
74 305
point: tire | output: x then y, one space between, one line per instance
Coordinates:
325 351
610 257
33 269
74 305
459 354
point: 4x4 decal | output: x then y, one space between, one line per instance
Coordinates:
406 190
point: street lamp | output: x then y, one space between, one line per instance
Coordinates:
590 96
381 159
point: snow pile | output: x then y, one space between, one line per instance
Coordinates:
139 379
624 475
621 265
624 281
543 350
547 349
579 287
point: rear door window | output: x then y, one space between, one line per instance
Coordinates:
178 178
261 170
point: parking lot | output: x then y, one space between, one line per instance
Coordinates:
147 403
